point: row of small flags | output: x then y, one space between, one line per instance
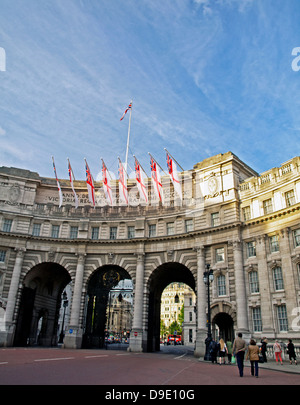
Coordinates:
123 190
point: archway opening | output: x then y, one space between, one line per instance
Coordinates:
38 317
222 326
108 313
164 275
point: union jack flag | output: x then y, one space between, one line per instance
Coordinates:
127 109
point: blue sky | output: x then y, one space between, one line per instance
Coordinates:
205 77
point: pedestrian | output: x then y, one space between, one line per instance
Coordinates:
213 350
277 350
222 349
253 355
229 351
291 351
239 347
263 348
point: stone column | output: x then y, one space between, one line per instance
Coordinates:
201 333
12 297
73 337
136 335
240 290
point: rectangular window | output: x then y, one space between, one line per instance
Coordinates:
189 226
152 230
215 219
278 279
221 285
220 255
253 282
113 232
297 237
256 317
170 228
282 318
290 198
55 231
131 232
7 223
268 207
251 249
95 232
73 232
2 255
274 244
36 230
246 213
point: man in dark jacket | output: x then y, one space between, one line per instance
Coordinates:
239 347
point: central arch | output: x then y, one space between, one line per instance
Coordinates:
161 277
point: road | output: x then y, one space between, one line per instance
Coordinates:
176 367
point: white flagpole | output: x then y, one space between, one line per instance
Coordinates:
174 159
126 159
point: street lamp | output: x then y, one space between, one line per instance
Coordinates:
208 277
65 304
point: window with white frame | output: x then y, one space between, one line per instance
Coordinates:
55 231
170 228
189 226
256 319
274 243
221 285
215 219
7 224
95 232
282 318
290 198
152 230
113 232
2 255
73 232
220 254
268 206
253 282
246 213
36 229
278 278
296 234
131 232
251 249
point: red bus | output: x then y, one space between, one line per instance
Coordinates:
174 339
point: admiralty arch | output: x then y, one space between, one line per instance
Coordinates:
244 225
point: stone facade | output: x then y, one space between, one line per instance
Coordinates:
245 225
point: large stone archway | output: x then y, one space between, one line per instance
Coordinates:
159 279
40 302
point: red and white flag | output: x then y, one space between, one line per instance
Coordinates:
58 185
156 180
90 184
127 109
123 191
140 182
172 168
106 184
72 178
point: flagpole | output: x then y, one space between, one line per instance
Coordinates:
157 163
174 159
140 165
128 135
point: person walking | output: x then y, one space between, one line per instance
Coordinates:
263 348
213 351
291 351
277 350
229 351
253 355
239 348
222 350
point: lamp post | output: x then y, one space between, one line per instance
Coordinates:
65 304
208 277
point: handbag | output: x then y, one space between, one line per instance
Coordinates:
260 359
233 360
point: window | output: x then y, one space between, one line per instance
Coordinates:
215 219
7 223
131 232
290 198
95 232
282 318
36 230
251 249
268 207
221 285
152 230
170 228
2 255
73 232
189 226
113 232
297 237
278 279
253 282
220 255
274 244
256 318
246 213
298 269
55 231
